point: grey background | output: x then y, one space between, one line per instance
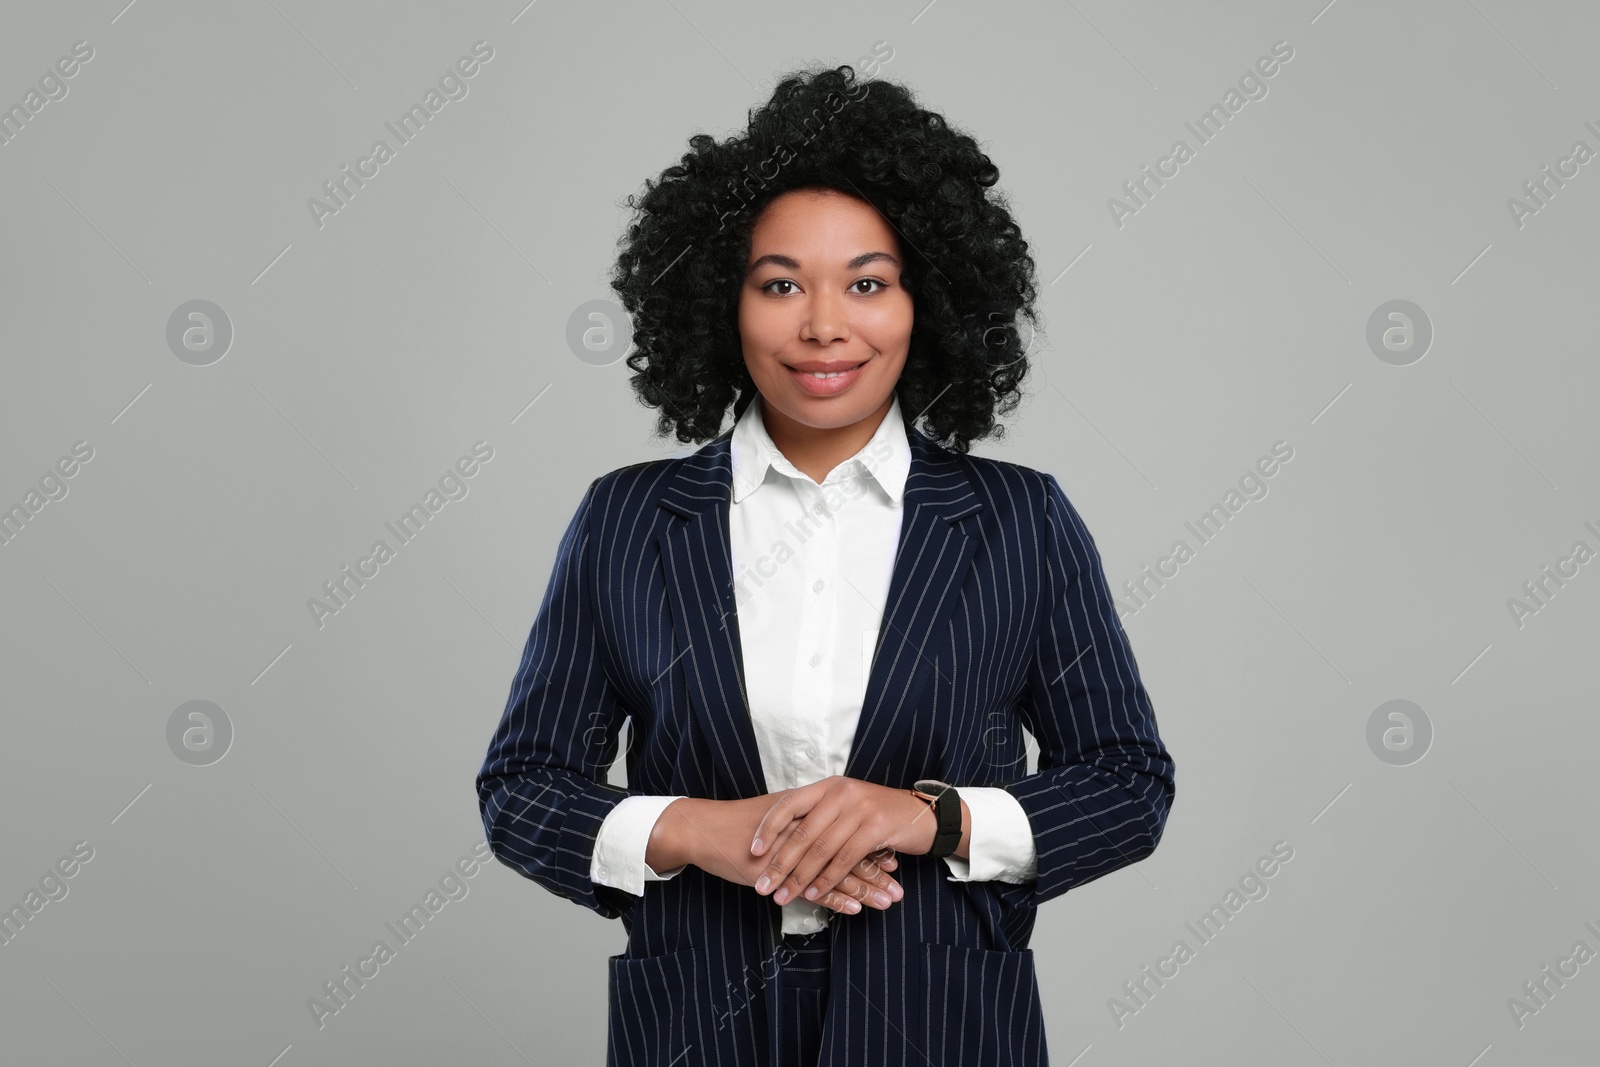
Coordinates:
431 312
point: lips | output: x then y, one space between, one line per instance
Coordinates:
844 376
818 367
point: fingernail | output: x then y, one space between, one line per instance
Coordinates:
883 899
897 892
755 846
761 886
852 906
782 895
811 894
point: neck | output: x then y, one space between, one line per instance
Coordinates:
815 452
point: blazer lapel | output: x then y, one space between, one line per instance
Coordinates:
698 568
938 537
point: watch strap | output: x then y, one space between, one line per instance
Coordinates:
947 809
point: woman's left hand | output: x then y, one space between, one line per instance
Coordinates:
840 821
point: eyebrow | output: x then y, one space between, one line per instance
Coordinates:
794 264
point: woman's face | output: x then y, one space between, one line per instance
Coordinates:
823 292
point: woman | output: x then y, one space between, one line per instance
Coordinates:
828 627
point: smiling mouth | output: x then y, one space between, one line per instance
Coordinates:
825 375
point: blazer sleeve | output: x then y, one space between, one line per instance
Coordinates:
541 790
1105 783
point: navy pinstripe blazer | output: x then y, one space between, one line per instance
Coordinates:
998 620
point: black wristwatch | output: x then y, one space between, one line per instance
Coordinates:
946 804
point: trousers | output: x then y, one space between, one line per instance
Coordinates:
803 1000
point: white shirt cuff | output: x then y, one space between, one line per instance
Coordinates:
1000 844
622 842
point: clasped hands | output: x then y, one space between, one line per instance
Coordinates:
834 840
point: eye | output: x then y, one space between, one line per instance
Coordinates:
776 281
870 281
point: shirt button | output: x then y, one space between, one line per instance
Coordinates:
818 587
811 751
816 658
604 871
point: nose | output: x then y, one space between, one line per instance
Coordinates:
826 319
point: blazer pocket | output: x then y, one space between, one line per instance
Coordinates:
982 1007
650 999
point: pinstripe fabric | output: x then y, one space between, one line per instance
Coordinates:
803 997
998 620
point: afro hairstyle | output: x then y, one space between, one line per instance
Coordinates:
681 262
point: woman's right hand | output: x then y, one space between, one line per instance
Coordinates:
714 835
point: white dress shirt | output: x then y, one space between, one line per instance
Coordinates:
812 565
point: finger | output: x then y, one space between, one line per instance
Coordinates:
872 896
797 837
822 852
791 804
851 852
776 817
876 877
873 868
841 903
781 860
777 842
804 836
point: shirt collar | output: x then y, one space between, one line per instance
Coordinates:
886 457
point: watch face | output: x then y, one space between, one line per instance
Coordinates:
931 785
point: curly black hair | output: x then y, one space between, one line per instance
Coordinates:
682 260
